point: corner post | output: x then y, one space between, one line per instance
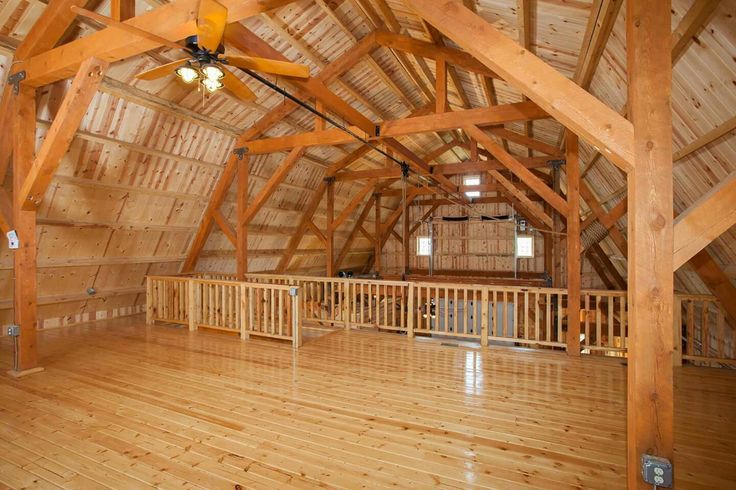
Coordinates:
242 225
25 291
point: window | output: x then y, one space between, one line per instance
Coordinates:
472 180
424 246
525 246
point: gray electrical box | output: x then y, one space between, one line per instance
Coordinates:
13 331
656 471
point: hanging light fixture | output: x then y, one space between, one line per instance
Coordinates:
212 85
212 72
187 73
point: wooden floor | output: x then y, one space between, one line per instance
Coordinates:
125 406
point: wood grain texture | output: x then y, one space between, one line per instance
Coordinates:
161 406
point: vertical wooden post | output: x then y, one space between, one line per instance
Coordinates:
377 253
122 10
330 181
405 238
241 247
192 302
410 310
572 168
483 317
319 123
24 259
296 326
149 301
441 85
557 226
677 331
650 407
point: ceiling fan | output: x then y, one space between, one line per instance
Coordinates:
206 61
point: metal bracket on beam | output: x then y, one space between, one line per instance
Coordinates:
15 80
330 180
556 164
378 131
240 152
404 169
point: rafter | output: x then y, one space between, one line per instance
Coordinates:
581 112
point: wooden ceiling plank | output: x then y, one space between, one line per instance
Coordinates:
61 133
575 108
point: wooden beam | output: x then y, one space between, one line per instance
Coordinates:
354 203
605 218
25 289
48 28
441 86
575 108
172 21
378 232
572 169
717 281
239 37
357 227
374 173
303 225
600 25
650 407
61 133
536 215
122 10
427 50
485 116
534 182
6 211
330 235
709 137
521 139
471 166
273 183
241 244
317 232
691 23
704 221
226 228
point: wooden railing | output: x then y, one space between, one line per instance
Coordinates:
259 309
704 336
502 315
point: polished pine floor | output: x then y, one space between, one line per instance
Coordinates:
125 406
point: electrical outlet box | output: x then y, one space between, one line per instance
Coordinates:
13 242
13 331
656 471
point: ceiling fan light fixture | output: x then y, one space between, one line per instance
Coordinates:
212 85
187 73
212 72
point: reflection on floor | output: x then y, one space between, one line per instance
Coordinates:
126 406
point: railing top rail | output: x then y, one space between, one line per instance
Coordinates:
696 297
224 282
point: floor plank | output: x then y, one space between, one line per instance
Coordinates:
122 405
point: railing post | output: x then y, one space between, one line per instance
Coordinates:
410 311
244 308
483 317
149 301
346 300
296 327
677 326
192 305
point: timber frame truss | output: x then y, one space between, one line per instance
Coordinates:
641 148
